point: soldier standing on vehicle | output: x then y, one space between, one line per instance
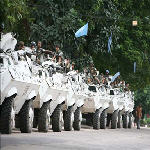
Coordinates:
67 65
40 53
138 115
21 45
122 86
72 66
33 46
92 74
126 87
21 51
58 56
33 53
107 74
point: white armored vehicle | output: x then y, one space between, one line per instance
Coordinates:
64 102
106 106
119 112
18 88
31 94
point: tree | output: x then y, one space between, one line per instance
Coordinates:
56 21
15 17
133 42
142 96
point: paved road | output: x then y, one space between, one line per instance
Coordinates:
86 139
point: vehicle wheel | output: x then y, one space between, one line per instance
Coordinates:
114 119
77 119
26 116
103 119
96 120
130 120
57 119
125 120
7 117
69 119
119 123
44 118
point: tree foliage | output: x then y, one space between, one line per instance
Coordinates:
15 15
142 96
56 21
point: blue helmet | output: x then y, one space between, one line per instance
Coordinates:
107 71
33 44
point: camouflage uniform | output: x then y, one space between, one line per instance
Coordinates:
58 54
40 57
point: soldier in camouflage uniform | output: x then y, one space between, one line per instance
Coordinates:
93 74
41 53
58 56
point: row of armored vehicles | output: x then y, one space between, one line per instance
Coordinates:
40 96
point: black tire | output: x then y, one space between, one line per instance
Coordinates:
43 120
68 121
5 117
103 119
130 121
114 119
77 120
125 120
26 122
119 123
96 120
56 119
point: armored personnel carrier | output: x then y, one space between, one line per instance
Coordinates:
119 113
67 102
18 88
94 104
7 96
63 105
31 94
106 106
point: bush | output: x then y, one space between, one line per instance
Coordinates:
143 122
148 122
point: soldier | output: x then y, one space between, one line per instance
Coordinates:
126 87
89 80
122 86
21 45
58 56
138 115
72 66
40 53
33 53
21 51
67 65
33 46
107 74
93 72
